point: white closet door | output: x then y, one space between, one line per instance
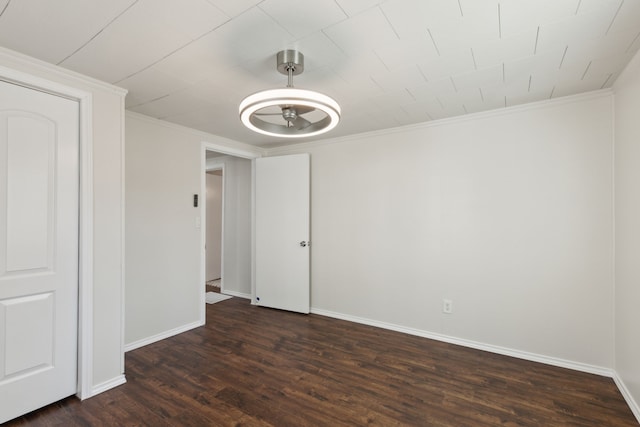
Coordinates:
282 232
38 249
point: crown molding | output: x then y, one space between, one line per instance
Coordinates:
204 136
40 65
602 93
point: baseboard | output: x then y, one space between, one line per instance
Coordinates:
107 385
533 357
161 336
627 396
236 294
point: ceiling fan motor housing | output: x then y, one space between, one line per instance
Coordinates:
290 60
289 114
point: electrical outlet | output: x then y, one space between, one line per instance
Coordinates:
447 306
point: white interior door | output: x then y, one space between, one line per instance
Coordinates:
282 232
38 249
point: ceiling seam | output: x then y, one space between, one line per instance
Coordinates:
381 60
277 22
98 33
173 51
389 22
424 76
499 22
473 56
563 55
147 102
586 70
5 8
377 84
614 17
453 83
340 6
632 43
606 81
333 41
433 41
217 8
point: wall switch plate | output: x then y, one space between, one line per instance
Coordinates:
447 306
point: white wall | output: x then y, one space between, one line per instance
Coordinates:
237 225
508 214
107 136
162 241
214 227
163 246
627 193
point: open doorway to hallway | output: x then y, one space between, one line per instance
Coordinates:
226 223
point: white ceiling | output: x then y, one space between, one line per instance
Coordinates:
388 63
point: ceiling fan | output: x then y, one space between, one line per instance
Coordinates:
289 112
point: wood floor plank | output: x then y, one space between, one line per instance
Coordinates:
252 366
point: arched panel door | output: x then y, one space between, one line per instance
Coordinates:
39 181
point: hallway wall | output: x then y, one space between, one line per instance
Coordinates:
213 266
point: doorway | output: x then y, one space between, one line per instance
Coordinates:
236 234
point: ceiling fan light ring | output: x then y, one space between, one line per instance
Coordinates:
294 97
290 96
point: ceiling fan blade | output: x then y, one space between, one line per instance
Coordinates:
299 109
300 123
267 114
303 109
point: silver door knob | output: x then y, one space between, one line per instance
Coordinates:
303 243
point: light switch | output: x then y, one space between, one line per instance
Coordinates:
197 222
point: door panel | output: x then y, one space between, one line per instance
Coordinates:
32 348
282 224
30 141
39 179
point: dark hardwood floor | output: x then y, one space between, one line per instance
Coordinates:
253 366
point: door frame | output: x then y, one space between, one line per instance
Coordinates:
236 152
85 218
